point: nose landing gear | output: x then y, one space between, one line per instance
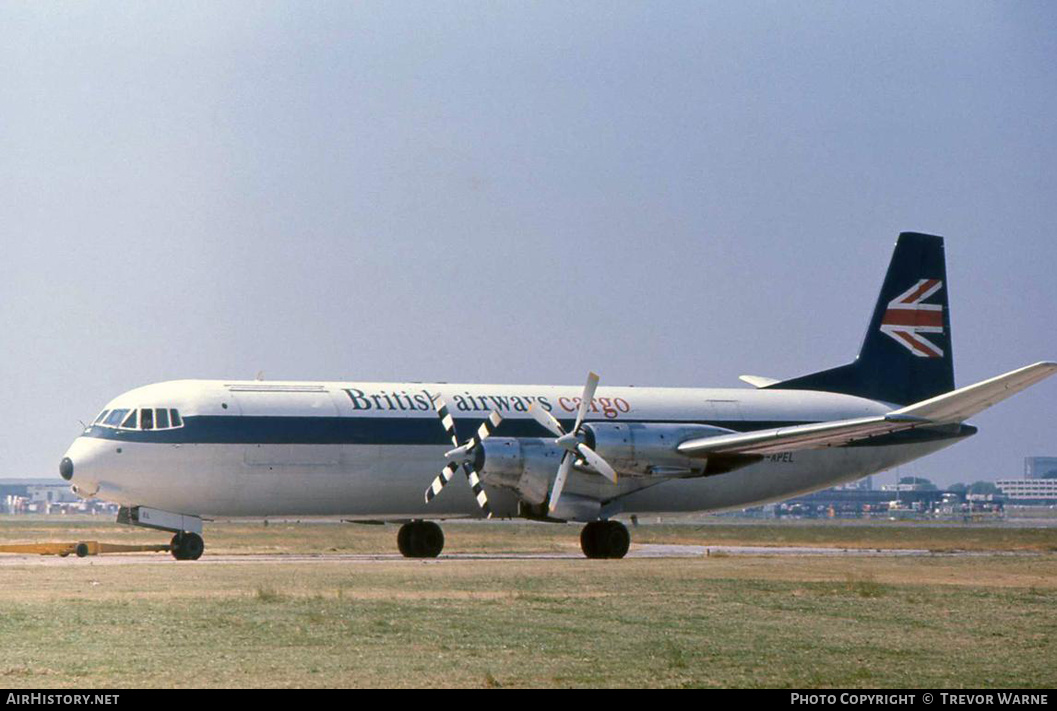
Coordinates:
420 539
186 546
605 539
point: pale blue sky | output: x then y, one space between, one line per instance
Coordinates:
668 193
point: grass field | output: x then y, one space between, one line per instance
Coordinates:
985 619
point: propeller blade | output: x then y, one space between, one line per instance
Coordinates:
596 461
442 479
559 481
486 429
483 432
546 419
585 399
478 490
445 418
461 454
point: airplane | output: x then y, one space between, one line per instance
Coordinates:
176 453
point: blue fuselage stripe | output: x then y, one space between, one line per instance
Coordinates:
235 429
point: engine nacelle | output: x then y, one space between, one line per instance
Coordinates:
645 448
524 464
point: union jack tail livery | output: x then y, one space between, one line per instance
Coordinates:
906 355
907 318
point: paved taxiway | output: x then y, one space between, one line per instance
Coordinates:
637 551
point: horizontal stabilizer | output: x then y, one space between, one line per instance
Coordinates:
758 381
962 403
951 407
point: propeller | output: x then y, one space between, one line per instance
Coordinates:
571 442
462 455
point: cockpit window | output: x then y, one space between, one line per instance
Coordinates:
147 418
115 417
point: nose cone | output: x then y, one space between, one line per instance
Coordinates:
84 465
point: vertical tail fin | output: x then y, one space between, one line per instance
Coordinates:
906 355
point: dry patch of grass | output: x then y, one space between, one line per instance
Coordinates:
694 622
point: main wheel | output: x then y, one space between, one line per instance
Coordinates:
615 539
589 540
403 540
605 539
427 540
420 539
186 545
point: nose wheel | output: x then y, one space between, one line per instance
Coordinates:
187 546
605 539
420 539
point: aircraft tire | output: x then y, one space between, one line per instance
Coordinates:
420 539
427 540
186 545
590 542
616 539
605 539
403 540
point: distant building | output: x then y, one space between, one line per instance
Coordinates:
1040 467
899 488
20 487
46 496
845 501
51 494
1029 492
864 484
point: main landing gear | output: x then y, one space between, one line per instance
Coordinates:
605 539
420 539
186 546
424 539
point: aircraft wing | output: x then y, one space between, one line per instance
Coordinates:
812 436
951 407
758 381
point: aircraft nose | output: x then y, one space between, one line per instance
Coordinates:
82 465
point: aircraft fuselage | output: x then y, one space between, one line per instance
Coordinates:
368 450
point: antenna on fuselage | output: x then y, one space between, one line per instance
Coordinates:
260 375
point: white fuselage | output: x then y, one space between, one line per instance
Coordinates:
369 450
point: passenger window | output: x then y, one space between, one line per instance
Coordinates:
115 417
161 418
146 419
130 421
102 416
176 421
